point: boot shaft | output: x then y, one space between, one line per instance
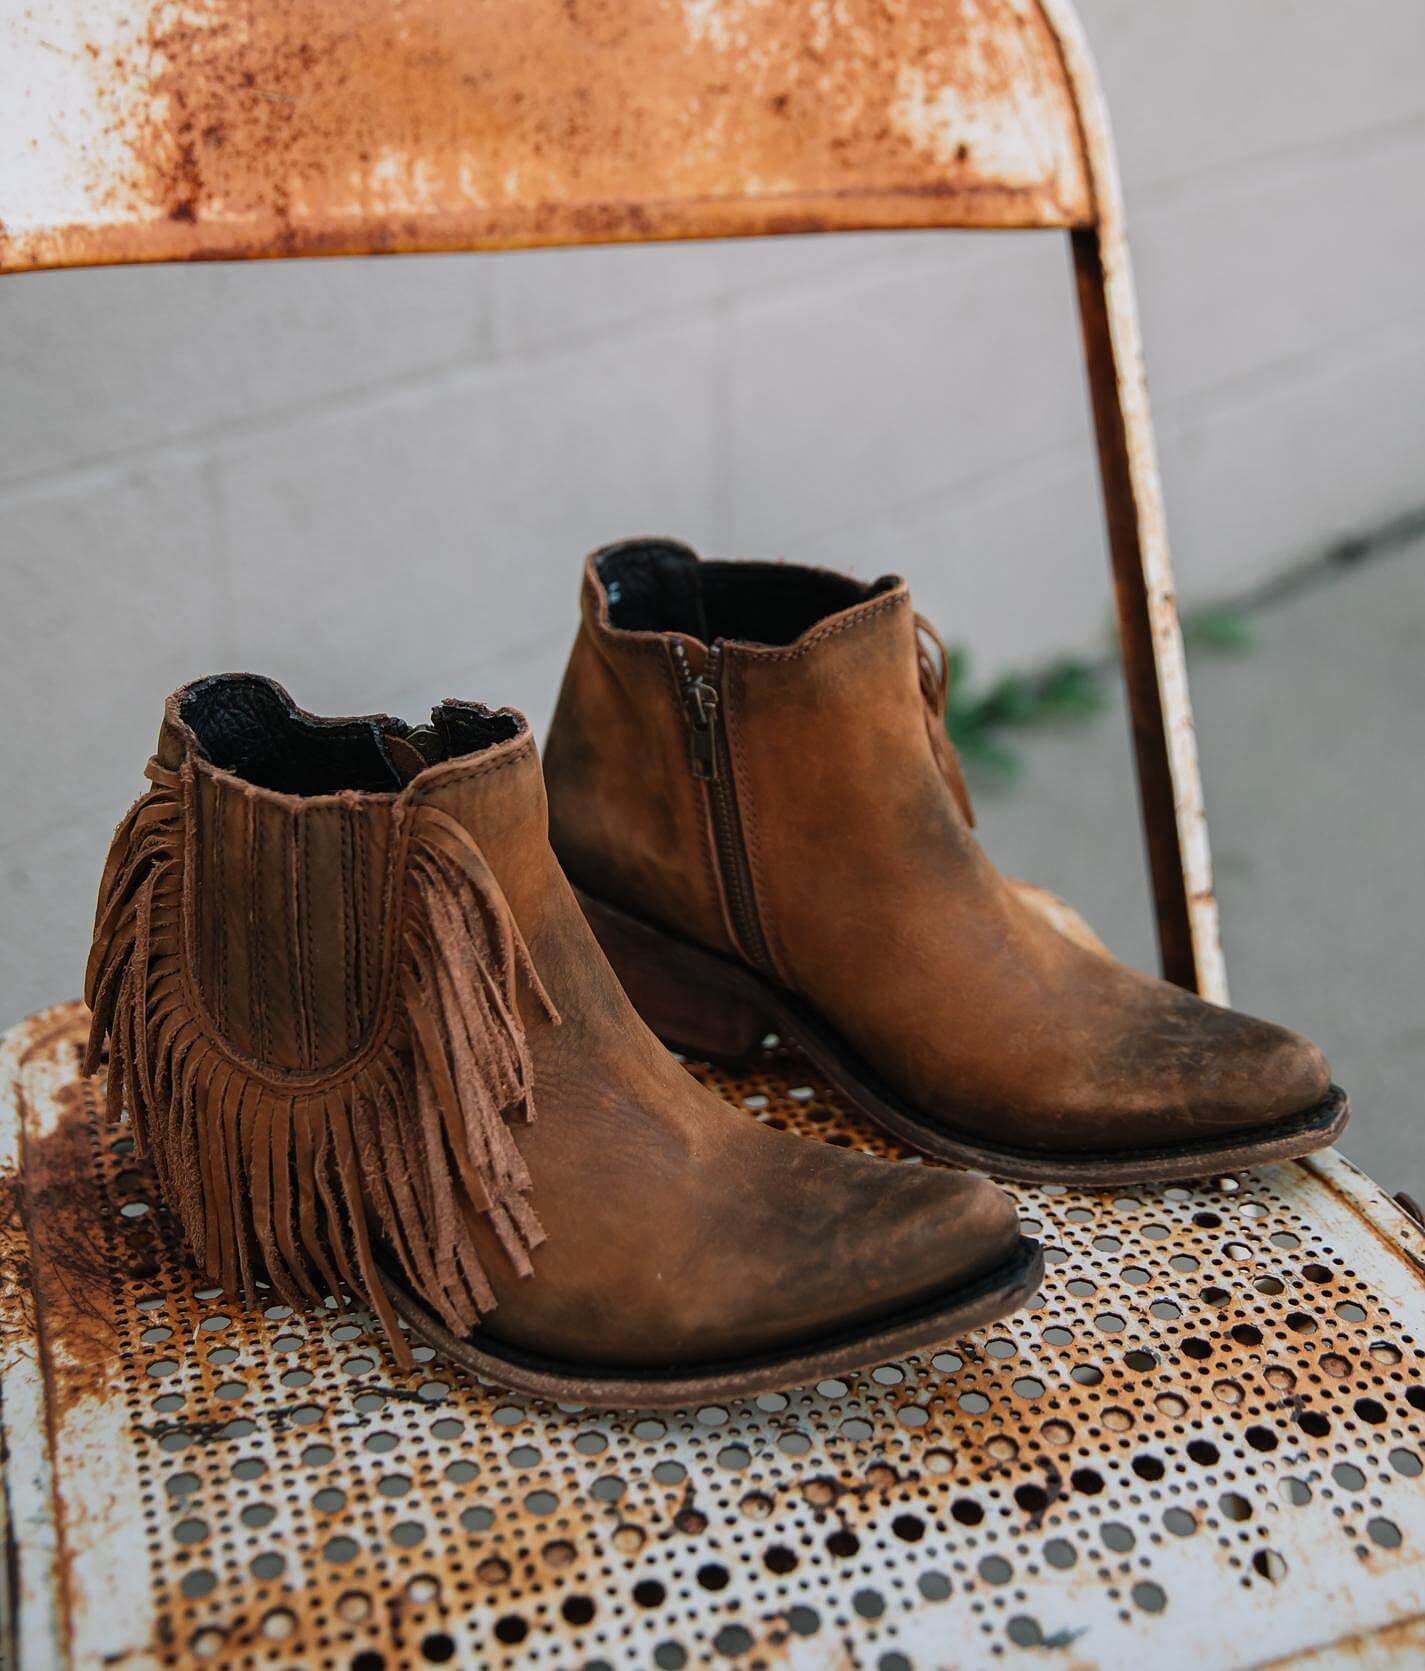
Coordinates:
315 991
721 723
296 835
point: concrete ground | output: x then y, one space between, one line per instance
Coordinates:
1313 758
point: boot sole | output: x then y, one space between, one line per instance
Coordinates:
990 1297
711 1008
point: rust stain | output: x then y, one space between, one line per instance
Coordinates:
1399 1643
62 1209
19 1318
1275 1364
271 127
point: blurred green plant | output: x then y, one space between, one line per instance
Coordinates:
983 722
1219 627
980 722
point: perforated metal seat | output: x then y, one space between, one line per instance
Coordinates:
1203 1445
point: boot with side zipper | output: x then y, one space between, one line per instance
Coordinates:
752 790
337 967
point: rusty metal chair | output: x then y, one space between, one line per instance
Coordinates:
1219 1403
228 131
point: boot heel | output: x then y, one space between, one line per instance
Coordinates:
688 997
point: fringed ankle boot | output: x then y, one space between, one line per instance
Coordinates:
338 967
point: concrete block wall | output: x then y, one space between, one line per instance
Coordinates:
375 479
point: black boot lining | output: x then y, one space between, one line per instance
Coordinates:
249 726
660 586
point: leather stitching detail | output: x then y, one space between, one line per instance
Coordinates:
384 1010
220 917
261 1033
352 983
858 616
752 842
440 776
364 926
292 945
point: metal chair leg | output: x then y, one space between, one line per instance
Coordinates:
1169 788
1155 674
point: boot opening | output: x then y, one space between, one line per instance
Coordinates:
249 726
661 586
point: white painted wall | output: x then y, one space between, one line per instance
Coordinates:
375 479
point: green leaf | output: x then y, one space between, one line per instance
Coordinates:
1071 689
1009 701
1226 630
959 661
1068 690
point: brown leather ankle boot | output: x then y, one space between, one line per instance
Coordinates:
752 790
335 959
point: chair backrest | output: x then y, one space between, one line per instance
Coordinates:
174 130
140 130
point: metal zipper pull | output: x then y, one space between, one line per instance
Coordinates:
700 699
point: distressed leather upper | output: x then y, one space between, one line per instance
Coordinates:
877 903
656 1226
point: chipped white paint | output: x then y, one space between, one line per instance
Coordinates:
707 22
138 132
93 1521
939 120
30 1536
57 141
110 1600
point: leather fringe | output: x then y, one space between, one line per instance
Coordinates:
290 1181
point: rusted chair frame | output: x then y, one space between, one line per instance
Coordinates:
1150 637
1155 676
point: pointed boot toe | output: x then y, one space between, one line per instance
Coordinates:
912 1234
1259 1075
936 1230
1185 1083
